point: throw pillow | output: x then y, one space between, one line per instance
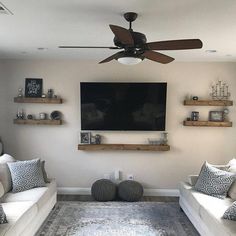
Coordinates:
3 218
5 175
45 176
2 191
26 175
230 213
213 181
232 190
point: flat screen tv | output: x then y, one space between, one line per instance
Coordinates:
123 106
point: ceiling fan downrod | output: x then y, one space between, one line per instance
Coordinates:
130 17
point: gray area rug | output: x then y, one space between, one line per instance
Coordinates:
117 219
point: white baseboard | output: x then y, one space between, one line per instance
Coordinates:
147 192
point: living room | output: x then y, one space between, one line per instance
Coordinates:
29 45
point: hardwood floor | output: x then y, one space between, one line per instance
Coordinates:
85 198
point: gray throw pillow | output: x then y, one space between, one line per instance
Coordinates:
26 175
230 213
3 218
213 181
45 176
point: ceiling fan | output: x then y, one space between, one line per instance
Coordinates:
135 48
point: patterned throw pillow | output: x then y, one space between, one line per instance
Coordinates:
26 175
230 213
3 218
213 181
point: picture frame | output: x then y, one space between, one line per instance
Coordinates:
33 87
85 137
216 116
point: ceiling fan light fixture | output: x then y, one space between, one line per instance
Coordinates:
128 60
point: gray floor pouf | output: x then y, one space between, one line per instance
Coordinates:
103 190
130 191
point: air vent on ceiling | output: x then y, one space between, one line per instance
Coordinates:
4 10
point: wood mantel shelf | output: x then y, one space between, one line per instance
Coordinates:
208 123
37 122
137 147
208 103
38 100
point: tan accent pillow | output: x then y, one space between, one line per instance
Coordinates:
5 175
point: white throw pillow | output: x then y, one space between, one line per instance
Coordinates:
1 190
232 190
5 175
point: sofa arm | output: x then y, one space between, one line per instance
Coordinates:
192 179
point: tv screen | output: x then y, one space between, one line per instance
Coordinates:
123 106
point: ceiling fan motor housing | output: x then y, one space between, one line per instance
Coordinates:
139 40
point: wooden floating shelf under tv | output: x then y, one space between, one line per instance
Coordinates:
38 100
135 147
208 103
37 122
208 123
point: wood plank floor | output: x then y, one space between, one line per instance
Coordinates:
85 198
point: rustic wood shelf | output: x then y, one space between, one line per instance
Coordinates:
208 123
38 100
137 147
208 103
37 122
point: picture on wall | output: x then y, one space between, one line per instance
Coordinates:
33 87
216 116
85 137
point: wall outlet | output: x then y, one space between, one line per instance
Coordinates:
130 177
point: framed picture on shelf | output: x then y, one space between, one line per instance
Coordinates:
33 87
85 137
216 116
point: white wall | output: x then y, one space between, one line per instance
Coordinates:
3 98
190 146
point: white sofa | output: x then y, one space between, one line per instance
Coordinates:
205 212
27 210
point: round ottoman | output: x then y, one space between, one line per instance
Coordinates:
103 190
130 191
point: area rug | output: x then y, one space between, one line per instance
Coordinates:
117 219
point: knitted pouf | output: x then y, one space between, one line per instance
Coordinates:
103 190
130 191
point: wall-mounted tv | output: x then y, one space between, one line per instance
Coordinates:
123 106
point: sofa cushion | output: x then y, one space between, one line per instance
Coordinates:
5 175
26 175
39 195
213 181
19 215
3 218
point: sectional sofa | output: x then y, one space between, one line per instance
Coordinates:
27 210
205 212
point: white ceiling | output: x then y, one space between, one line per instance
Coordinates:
50 23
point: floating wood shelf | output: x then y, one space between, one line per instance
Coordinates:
208 103
38 100
208 123
138 147
37 122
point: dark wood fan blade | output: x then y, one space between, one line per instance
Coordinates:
158 57
175 44
123 35
114 56
87 47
